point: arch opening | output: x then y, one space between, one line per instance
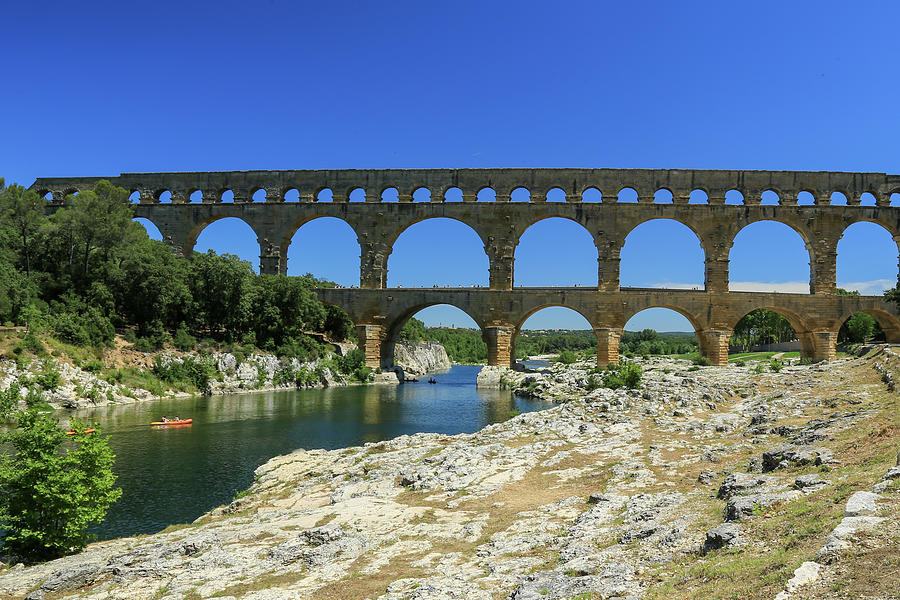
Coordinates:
895 199
658 331
453 194
390 194
487 195
357 195
867 259
196 197
259 196
227 196
859 328
867 199
553 330
134 197
698 197
663 196
769 256
449 325
627 195
305 255
805 199
152 230
455 256
556 195
592 194
325 195
422 194
838 199
520 194
734 197
230 235
292 195
680 264
769 198
165 197
767 330
555 252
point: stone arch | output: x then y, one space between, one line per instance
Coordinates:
393 328
682 225
734 197
390 194
631 194
555 194
864 249
634 309
287 243
531 310
162 196
255 196
794 227
486 193
771 197
591 194
323 194
890 323
664 195
464 279
586 273
153 231
698 196
520 193
422 194
197 231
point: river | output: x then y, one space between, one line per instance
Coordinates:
173 475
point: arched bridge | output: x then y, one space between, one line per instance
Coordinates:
182 204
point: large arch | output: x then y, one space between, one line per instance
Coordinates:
867 258
462 319
679 264
638 339
153 231
566 244
455 255
556 316
226 235
770 256
326 247
662 318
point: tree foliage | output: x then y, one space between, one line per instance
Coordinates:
52 488
762 326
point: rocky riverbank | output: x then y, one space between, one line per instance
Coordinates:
711 481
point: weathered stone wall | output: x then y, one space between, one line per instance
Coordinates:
500 311
419 358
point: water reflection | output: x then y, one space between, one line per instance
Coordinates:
173 475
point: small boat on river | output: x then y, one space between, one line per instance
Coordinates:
172 422
432 380
73 432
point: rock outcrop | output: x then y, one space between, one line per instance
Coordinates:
419 358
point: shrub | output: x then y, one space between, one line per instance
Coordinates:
740 363
352 361
50 495
567 357
49 378
701 361
31 343
775 365
625 374
760 368
183 340
189 370
9 398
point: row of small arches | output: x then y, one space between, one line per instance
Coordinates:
519 194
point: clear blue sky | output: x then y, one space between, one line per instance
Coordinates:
99 88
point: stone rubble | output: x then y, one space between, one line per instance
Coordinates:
591 496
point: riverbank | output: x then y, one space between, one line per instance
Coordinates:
712 481
58 383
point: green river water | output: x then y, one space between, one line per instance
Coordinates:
173 475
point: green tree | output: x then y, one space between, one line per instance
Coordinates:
25 212
860 327
51 489
221 286
413 331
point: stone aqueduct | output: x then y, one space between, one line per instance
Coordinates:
501 309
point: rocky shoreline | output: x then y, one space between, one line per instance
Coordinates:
76 387
611 494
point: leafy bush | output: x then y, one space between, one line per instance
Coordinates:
701 361
740 363
183 340
8 399
194 371
775 365
352 361
50 495
49 378
760 368
567 357
625 374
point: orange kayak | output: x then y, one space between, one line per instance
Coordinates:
181 422
73 432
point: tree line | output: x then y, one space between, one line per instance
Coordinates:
85 269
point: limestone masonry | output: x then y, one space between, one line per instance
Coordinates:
501 309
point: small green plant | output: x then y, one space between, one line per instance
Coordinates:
740 363
567 357
513 413
183 340
694 368
759 368
775 365
624 374
701 361
49 378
